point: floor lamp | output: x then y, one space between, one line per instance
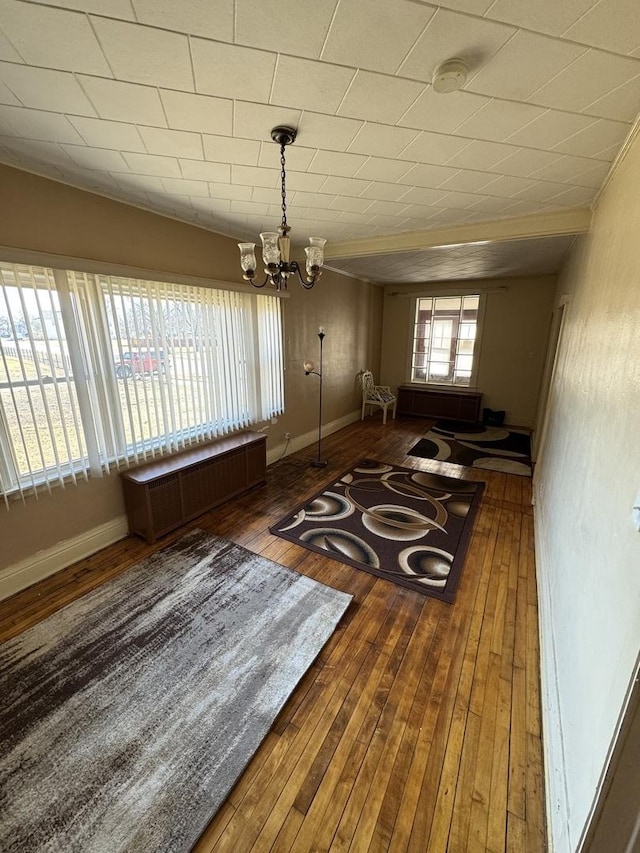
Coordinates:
309 367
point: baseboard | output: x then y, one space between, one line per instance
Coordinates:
299 442
556 796
51 560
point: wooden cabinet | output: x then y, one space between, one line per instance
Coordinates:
451 403
164 494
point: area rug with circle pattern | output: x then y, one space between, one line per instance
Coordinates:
477 446
407 526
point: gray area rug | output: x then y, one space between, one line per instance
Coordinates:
127 716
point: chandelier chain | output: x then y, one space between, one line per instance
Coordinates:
283 176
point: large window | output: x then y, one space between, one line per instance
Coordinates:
444 339
97 371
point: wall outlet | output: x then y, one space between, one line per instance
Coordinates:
287 435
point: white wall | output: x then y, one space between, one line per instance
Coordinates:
588 553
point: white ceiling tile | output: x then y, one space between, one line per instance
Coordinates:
306 84
383 169
352 218
433 148
575 196
497 120
7 96
41 88
267 195
172 143
124 101
387 208
322 131
525 63
139 183
591 76
551 128
448 34
37 150
254 176
592 177
298 158
600 26
337 163
8 53
231 71
304 181
466 181
344 186
599 136
43 35
543 16
375 97
196 17
426 175
254 121
249 207
224 190
242 152
351 203
423 195
524 161
391 30
141 54
197 170
319 213
622 103
488 204
442 113
111 8
383 191
152 164
184 187
37 124
270 24
480 155
382 140
541 191
200 113
567 168
108 134
458 200
507 185
102 159
309 199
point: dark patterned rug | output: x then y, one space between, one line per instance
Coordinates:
127 716
477 446
406 526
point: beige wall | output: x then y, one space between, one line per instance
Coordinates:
514 339
586 482
44 216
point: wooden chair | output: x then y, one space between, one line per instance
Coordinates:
376 395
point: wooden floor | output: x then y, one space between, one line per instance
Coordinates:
418 728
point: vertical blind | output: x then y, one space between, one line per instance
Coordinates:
99 371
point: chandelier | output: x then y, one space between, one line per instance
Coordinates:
276 245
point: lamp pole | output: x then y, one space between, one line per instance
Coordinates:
319 462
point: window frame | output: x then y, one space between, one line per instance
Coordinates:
443 294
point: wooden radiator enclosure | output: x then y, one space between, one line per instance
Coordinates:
453 404
162 495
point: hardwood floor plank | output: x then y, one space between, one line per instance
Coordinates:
417 728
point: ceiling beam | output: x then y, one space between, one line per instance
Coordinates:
557 223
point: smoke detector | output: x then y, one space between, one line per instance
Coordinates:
450 76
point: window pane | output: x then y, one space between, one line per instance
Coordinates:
445 330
